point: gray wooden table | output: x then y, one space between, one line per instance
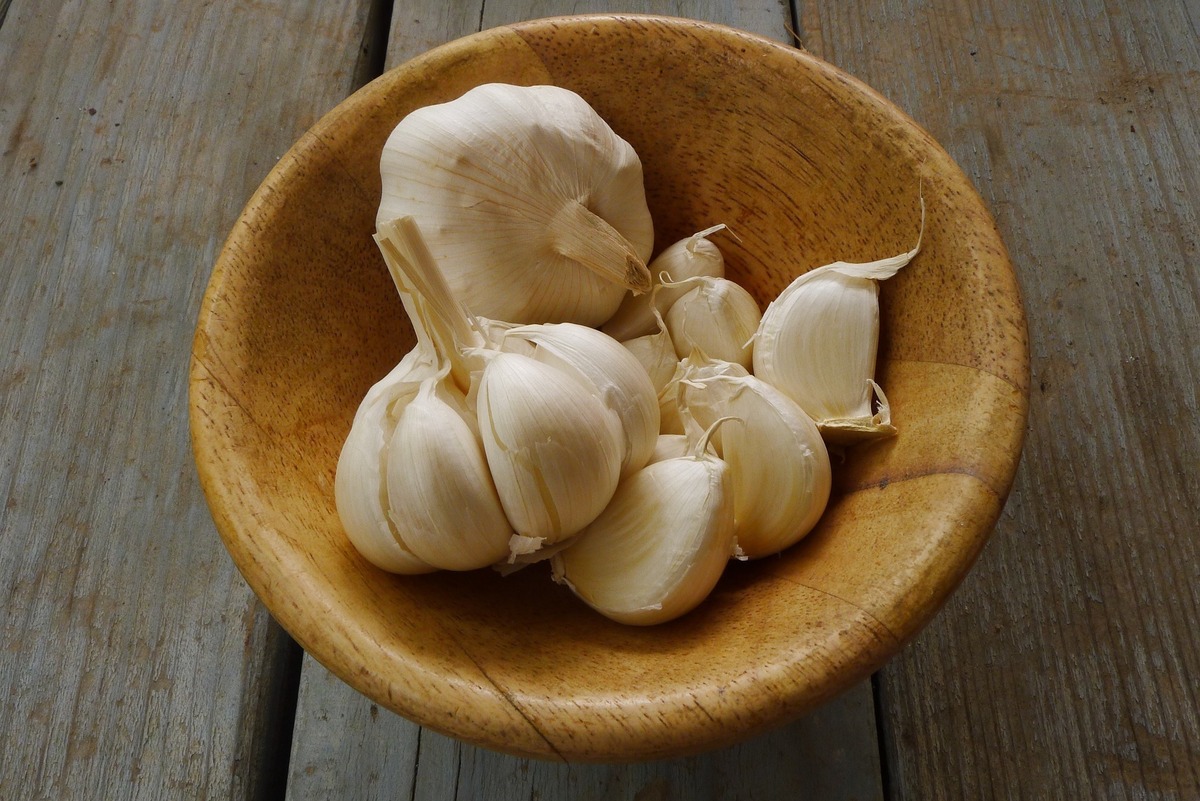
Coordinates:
136 664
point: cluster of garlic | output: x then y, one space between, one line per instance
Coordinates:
638 457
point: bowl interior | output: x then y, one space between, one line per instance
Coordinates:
806 166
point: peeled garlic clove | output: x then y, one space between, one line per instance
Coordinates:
659 547
777 460
554 450
817 343
360 488
617 378
442 499
530 203
716 316
687 258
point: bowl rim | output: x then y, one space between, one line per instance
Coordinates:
235 532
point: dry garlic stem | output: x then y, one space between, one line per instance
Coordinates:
530 203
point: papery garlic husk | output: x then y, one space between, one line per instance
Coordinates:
698 365
660 546
360 486
656 353
615 375
553 448
688 258
443 503
716 316
777 460
530 203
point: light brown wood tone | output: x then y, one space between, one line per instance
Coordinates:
808 166
1066 666
134 661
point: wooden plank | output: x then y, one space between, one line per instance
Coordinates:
346 746
134 662
1068 658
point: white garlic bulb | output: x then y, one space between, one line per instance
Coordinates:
777 460
817 343
688 258
660 546
615 375
529 202
553 448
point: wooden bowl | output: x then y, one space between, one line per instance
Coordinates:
807 166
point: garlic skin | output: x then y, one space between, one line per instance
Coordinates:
529 202
716 316
616 376
442 499
817 343
690 257
360 488
660 546
777 459
656 354
553 449
697 365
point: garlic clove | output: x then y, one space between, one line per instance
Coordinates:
360 488
697 365
688 258
777 459
655 352
554 450
442 499
817 343
531 204
617 378
659 547
716 316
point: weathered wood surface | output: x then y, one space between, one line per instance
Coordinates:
134 662
1066 665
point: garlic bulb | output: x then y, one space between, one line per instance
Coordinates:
817 343
442 499
660 546
553 448
360 488
688 258
529 202
615 375
716 316
777 459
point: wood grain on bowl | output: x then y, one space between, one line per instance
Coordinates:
807 166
